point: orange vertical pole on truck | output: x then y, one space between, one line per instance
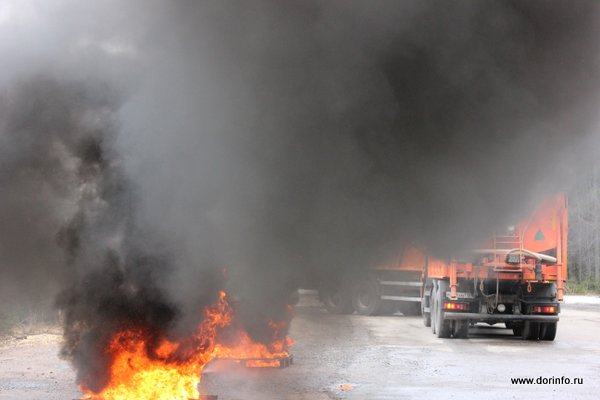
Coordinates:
562 249
453 280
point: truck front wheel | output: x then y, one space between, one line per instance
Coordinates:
336 299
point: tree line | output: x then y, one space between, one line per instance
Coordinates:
584 227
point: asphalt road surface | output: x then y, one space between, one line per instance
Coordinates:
356 357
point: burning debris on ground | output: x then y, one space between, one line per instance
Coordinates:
143 364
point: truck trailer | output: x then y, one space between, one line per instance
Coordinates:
517 278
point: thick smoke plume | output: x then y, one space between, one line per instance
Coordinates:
323 135
54 176
162 143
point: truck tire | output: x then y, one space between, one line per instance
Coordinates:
433 305
336 299
443 328
460 329
426 315
531 330
517 329
426 319
366 297
548 331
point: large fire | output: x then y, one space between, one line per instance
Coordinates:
172 371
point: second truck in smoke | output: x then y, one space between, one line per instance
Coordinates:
517 277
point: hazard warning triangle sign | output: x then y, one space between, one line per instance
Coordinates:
539 235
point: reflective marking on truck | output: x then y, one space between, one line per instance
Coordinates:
461 295
401 298
399 283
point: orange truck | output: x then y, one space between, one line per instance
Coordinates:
516 278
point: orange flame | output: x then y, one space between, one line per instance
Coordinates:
172 370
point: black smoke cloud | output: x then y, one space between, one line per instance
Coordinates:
278 141
319 135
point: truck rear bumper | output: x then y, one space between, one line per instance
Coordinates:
500 317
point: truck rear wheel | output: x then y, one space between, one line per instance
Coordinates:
517 329
460 329
366 299
548 331
426 319
432 306
443 328
531 330
426 301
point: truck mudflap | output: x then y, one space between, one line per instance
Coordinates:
500 317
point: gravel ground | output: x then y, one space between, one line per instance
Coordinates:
30 369
356 357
